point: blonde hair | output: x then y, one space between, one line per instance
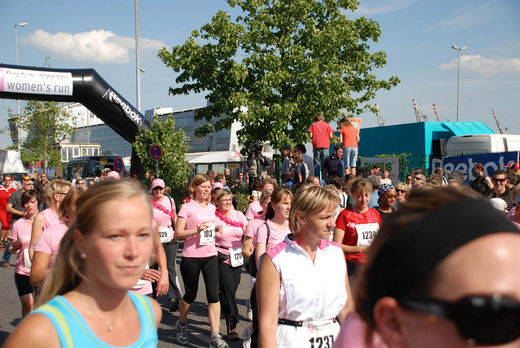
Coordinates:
222 193
53 187
360 185
310 200
319 116
67 201
67 272
198 180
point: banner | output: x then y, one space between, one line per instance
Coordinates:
389 163
464 163
35 82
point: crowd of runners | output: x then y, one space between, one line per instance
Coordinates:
350 260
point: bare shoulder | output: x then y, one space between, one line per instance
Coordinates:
36 331
157 311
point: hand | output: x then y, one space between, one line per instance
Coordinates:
219 229
162 285
363 249
15 247
151 275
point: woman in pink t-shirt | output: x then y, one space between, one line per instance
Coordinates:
55 191
278 227
196 225
47 247
21 236
229 247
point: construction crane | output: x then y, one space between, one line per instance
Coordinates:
418 117
380 120
496 120
436 113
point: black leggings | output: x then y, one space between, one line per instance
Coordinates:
190 270
229 278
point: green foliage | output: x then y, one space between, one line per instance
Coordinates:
47 124
277 65
173 167
240 193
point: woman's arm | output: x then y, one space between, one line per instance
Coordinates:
347 249
268 289
34 331
37 229
181 233
40 268
247 247
260 250
162 283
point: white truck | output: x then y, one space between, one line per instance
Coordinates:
482 143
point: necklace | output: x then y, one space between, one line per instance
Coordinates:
160 207
110 326
228 220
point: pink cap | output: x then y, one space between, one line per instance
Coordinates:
113 175
217 185
158 183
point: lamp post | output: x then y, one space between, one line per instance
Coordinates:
458 74
23 24
137 58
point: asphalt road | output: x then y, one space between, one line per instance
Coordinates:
198 324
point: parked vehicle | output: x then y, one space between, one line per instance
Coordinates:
482 143
90 167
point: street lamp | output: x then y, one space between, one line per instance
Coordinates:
137 58
23 24
458 74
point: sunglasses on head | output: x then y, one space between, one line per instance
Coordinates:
482 319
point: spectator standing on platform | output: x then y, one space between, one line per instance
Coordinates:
385 177
321 133
349 137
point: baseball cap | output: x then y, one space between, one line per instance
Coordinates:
158 183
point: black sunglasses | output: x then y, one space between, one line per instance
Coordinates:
158 188
499 180
482 319
400 191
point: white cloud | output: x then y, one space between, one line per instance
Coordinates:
384 7
94 46
484 66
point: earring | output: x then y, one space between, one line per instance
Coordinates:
83 255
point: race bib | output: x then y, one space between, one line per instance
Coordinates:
207 236
165 233
366 233
235 256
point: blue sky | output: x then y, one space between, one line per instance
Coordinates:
417 36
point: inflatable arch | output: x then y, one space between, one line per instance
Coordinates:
77 85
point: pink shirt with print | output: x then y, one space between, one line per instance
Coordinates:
231 237
49 241
196 214
21 231
275 235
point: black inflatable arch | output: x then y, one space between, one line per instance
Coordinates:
75 85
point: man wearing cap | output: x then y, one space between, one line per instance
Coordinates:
15 207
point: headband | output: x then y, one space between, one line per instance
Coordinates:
412 252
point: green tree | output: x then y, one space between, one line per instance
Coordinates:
47 124
173 167
279 63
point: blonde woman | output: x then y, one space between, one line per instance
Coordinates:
55 191
304 279
102 255
47 247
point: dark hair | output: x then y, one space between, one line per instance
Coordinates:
338 147
499 172
336 181
457 176
512 177
478 165
301 147
28 195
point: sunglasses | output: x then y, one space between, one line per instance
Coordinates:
499 180
482 319
400 191
158 188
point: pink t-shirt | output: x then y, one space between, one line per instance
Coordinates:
320 135
50 218
352 334
275 235
21 231
196 214
253 210
232 236
49 241
160 216
252 226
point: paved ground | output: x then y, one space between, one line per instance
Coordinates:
198 324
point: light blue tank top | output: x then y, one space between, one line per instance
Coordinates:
73 331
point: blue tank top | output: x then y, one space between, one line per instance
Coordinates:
73 331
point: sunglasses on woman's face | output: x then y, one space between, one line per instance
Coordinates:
400 191
481 319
